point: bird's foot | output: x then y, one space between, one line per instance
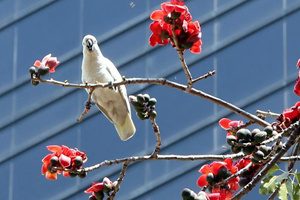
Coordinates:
111 85
89 104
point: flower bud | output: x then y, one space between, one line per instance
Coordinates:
78 161
54 161
152 102
32 70
153 114
35 83
82 175
140 98
43 70
260 137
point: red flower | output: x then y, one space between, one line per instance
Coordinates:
160 33
292 113
228 124
297 85
205 196
298 63
65 159
48 61
214 168
175 14
223 194
96 187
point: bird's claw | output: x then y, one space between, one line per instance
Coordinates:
111 85
89 104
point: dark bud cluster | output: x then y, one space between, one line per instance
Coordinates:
37 72
249 142
222 174
144 106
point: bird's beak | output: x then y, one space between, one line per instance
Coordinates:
89 44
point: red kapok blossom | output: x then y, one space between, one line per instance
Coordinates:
214 168
96 187
297 84
65 159
48 61
175 16
228 124
292 113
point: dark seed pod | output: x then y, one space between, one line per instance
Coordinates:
140 98
99 195
146 97
78 161
210 178
152 102
43 70
54 161
259 155
269 131
248 150
153 114
186 193
72 174
264 149
51 169
82 175
141 115
236 149
32 70
35 83
223 172
243 134
260 137
230 139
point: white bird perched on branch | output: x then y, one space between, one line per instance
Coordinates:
113 103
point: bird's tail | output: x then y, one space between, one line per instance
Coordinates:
127 130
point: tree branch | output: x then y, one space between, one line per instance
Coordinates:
158 139
165 82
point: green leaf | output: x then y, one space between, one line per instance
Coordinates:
289 187
283 176
297 175
273 169
283 195
296 191
268 185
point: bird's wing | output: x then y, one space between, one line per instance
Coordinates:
104 112
117 77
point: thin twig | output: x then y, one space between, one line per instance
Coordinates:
165 82
120 179
291 141
87 109
158 139
181 57
204 76
267 113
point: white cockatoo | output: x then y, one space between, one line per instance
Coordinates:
113 103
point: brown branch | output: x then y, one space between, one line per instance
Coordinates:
291 141
170 157
182 60
204 76
120 179
165 82
267 113
158 139
87 109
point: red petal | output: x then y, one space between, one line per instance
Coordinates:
44 169
46 58
215 166
47 158
298 63
169 7
64 161
201 182
51 176
224 123
153 40
37 63
297 86
214 196
157 15
54 148
181 9
205 169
